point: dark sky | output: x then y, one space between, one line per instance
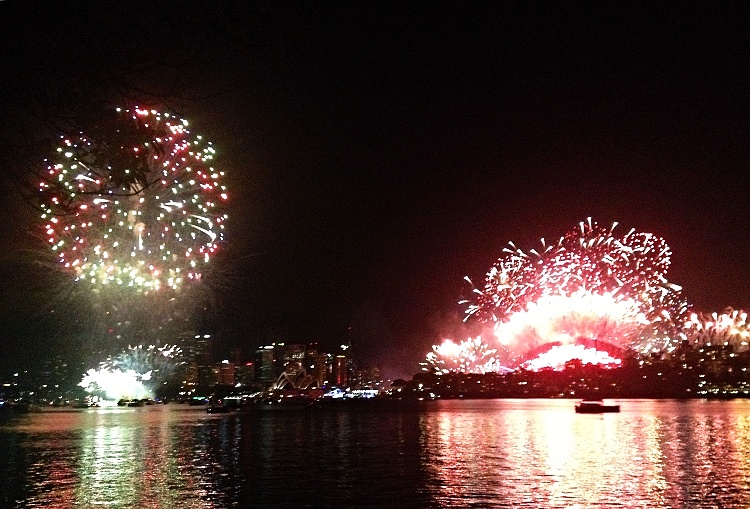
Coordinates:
378 152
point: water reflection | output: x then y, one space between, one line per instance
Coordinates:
118 458
333 458
542 454
494 453
706 457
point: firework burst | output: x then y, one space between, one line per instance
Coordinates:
729 328
135 373
138 204
132 214
591 286
469 356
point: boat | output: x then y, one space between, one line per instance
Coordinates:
595 406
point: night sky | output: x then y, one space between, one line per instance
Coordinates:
378 152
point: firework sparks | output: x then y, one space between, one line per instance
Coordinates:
116 384
580 318
133 374
590 286
729 328
469 356
137 206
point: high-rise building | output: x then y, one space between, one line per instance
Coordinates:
293 359
340 371
316 365
197 347
224 373
366 377
236 356
245 373
264 365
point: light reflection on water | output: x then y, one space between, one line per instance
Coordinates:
539 453
481 453
113 457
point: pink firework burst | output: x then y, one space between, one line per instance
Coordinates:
591 287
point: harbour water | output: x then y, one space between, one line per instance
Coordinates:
473 453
